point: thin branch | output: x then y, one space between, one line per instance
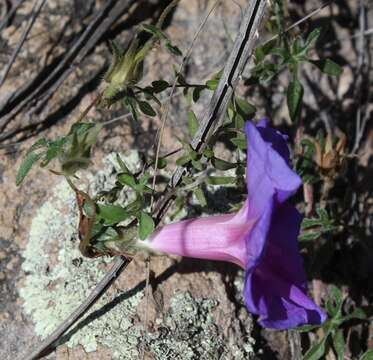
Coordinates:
303 19
12 11
295 344
35 13
360 123
366 33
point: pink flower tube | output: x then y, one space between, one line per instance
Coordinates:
261 238
220 237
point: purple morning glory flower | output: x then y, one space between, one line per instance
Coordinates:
261 237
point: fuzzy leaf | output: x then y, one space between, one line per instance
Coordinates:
160 85
146 225
197 93
339 344
146 108
54 149
327 66
192 123
316 351
112 214
127 179
221 164
367 356
39 144
221 180
26 165
310 236
240 142
244 108
154 30
294 98
122 164
173 49
311 38
200 196
212 84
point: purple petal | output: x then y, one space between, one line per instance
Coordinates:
269 181
268 172
276 288
275 284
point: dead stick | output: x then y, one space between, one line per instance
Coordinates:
241 51
102 21
35 13
12 11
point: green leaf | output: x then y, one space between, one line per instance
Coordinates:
358 313
146 225
316 351
127 179
239 141
367 356
208 153
122 164
112 214
162 163
183 160
311 38
54 149
262 51
146 108
221 180
309 236
197 92
200 196
39 144
335 302
160 85
294 98
327 66
259 54
197 165
339 344
130 104
212 84
26 165
192 123
309 223
135 206
173 49
109 234
244 108
221 164
154 30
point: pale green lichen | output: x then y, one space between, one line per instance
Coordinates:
54 288
188 332
58 279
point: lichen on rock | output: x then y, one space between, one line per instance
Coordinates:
58 279
188 332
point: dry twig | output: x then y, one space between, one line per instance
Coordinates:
34 14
